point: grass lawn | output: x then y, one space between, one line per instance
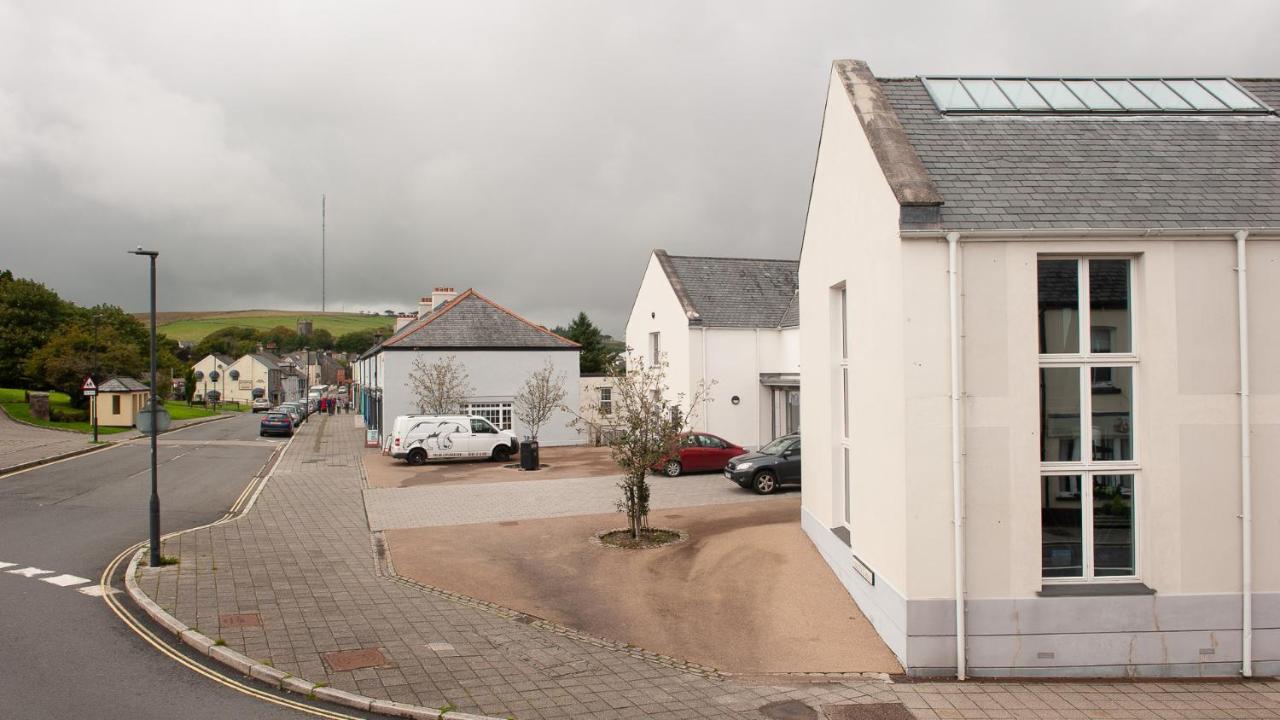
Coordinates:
196 328
13 403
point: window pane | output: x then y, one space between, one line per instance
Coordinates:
1196 95
1059 283
844 372
848 502
1112 413
1109 302
1058 95
1061 527
987 95
1230 94
950 95
1093 95
1162 95
1023 95
1128 96
1113 525
1059 414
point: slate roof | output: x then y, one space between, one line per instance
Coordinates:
122 385
472 321
270 361
1014 171
224 359
732 292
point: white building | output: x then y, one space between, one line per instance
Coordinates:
731 320
1042 433
498 348
210 372
254 375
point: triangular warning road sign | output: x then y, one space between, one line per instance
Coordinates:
88 385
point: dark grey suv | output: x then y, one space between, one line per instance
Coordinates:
768 468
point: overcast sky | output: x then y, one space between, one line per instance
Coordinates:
534 150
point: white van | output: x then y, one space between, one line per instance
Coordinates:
454 436
393 441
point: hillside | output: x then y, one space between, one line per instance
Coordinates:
195 326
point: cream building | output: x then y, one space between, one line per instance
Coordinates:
209 374
730 320
119 400
1042 414
251 376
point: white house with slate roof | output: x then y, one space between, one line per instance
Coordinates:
498 348
731 320
1042 372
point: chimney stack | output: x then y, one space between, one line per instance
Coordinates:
440 296
424 306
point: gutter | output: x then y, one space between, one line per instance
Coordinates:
957 446
1063 233
1246 479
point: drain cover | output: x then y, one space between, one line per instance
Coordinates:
870 711
235 620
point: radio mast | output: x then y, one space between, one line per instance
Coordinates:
322 229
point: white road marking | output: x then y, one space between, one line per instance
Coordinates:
66 580
96 591
30 572
4 565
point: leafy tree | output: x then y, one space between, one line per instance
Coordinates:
321 339
597 356
542 394
440 387
644 430
286 339
234 341
356 341
30 314
190 384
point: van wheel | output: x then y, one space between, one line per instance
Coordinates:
673 468
416 456
501 453
765 482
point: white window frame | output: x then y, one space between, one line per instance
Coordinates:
606 401
502 410
1086 468
845 477
655 348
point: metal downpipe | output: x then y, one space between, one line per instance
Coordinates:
1246 479
957 450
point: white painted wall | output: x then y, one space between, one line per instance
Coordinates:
208 364
253 373
496 375
657 309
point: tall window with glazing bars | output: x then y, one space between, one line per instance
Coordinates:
1089 462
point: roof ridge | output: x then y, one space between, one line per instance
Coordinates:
733 257
525 320
444 309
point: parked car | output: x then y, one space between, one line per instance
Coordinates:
768 468
293 411
455 436
260 404
700 452
276 423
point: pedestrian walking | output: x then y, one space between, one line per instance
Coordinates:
331 403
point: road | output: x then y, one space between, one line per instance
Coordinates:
64 654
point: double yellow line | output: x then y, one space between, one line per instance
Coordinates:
166 648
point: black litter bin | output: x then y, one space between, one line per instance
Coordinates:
529 455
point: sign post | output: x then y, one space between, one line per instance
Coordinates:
90 390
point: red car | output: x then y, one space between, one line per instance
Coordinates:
700 452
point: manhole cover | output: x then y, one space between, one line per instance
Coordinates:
789 710
870 711
340 660
549 659
235 620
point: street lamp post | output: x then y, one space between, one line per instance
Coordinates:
93 402
155 426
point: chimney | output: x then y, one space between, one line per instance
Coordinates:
402 320
440 296
424 306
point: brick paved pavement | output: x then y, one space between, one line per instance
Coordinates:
435 505
21 443
304 562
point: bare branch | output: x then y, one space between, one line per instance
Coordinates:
441 387
543 393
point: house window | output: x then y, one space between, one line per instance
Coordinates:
655 348
1089 466
497 413
840 350
115 404
606 401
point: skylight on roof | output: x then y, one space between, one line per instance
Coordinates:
1091 95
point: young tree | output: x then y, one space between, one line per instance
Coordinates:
440 387
644 430
542 394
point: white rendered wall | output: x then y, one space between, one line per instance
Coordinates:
657 309
495 375
852 236
251 371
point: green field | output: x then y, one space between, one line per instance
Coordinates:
13 402
195 326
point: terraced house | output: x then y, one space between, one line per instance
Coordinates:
1042 415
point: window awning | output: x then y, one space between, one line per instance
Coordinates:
787 380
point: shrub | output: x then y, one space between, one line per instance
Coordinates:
68 415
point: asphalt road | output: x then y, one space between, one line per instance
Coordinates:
64 654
